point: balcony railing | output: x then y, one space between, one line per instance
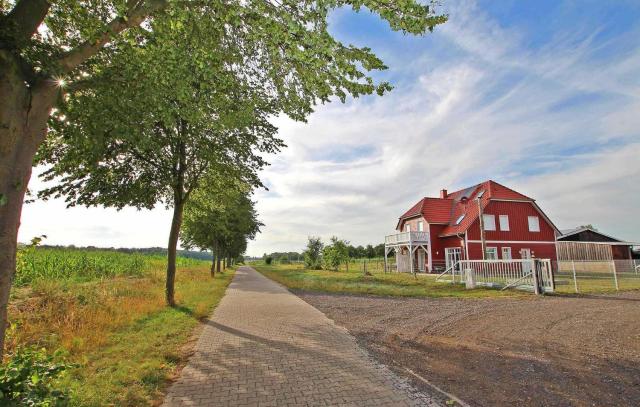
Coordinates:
407 237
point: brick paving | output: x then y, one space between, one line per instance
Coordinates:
264 346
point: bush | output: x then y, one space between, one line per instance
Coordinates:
313 254
268 260
335 254
29 378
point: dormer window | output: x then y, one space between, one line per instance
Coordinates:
460 219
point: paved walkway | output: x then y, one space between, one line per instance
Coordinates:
263 346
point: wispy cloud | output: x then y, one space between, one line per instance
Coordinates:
556 121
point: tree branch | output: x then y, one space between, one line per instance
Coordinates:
26 17
133 18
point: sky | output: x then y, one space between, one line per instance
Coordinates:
543 97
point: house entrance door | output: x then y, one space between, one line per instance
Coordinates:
421 260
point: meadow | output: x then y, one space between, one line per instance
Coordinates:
354 281
104 312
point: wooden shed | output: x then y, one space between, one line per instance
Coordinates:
588 244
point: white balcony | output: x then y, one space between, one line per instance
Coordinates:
406 238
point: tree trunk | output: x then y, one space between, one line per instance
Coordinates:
172 250
213 266
24 112
218 263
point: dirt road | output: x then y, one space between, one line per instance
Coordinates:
545 351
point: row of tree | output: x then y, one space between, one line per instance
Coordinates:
146 102
353 252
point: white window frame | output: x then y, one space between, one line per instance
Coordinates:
407 227
506 253
420 226
493 250
487 216
534 223
504 222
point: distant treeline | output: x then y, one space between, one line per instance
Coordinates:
355 252
191 254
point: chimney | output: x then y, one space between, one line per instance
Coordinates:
443 193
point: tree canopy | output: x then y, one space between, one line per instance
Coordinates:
220 217
63 51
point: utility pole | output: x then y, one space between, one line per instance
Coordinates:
482 241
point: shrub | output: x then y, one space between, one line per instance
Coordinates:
313 254
268 260
29 378
335 254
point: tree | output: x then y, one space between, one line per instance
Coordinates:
201 117
49 49
370 252
313 254
335 254
220 217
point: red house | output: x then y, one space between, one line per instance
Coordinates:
486 221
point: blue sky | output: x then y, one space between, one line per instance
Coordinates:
541 96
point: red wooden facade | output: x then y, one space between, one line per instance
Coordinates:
519 228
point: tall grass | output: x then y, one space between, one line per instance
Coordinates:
118 331
40 263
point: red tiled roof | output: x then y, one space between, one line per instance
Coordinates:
463 202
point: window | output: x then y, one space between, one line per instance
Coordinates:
534 224
489 222
492 253
460 219
420 226
506 253
407 228
480 194
504 223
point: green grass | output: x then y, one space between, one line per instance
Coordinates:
592 283
389 284
133 368
36 264
114 325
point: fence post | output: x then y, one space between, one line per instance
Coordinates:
615 275
536 283
575 281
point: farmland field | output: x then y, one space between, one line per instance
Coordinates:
105 312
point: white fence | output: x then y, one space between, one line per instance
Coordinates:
532 275
595 276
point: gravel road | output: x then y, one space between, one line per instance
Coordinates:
537 351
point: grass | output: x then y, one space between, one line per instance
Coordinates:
125 341
590 283
385 284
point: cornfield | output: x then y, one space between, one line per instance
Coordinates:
75 264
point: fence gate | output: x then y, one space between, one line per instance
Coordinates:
527 274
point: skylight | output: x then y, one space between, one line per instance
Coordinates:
480 194
460 219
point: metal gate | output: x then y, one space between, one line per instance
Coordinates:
526 274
